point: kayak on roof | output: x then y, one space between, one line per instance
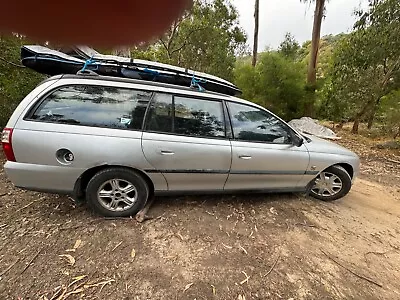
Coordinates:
82 58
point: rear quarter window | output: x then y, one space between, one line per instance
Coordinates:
95 106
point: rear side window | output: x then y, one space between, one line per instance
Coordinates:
198 117
186 116
160 115
95 106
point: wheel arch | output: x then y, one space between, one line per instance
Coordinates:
349 168
83 180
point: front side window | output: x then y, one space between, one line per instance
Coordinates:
96 106
253 124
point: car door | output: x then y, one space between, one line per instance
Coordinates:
185 140
263 156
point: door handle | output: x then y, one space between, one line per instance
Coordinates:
166 152
246 157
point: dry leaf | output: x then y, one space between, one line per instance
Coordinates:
214 291
273 211
244 250
77 244
68 257
133 253
226 246
187 287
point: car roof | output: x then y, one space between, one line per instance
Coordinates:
173 88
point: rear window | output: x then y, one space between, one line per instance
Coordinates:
95 106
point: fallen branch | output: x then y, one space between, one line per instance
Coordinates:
31 261
102 284
11 63
352 272
29 204
142 214
119 244
244 250
393 161
246 279
9 267
305 224
273 266
377 253
2 195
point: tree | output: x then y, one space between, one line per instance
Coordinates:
256 26
122 51
276 82
367 62
312 65
289 47
16 81
205 39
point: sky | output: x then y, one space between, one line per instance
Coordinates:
278 17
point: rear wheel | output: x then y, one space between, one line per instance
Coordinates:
331 184
117 192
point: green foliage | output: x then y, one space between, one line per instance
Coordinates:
277 82
389 113
367 63
206 39
15 81
289 47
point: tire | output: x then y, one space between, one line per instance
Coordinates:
335 176
117 192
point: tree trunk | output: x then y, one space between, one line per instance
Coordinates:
372 114
122 51
312 65
356 123
397 134
371 118
362 113
256 25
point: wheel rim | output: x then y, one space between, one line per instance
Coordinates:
327 184
117 195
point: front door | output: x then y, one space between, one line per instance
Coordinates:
185 140
263 156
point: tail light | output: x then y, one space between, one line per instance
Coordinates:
6 137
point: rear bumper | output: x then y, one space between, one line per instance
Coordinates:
54 179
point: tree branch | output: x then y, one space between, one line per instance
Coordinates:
390 72
187 37
166 48
11 63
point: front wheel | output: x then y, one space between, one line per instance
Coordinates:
117 192
331 184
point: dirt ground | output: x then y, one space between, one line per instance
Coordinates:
283 246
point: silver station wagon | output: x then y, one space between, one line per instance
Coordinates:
117 142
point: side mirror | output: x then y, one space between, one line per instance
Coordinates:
297 140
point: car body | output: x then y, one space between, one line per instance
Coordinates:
178 140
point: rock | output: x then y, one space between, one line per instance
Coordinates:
389 145
310 126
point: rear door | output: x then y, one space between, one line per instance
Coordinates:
263 156
185 140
